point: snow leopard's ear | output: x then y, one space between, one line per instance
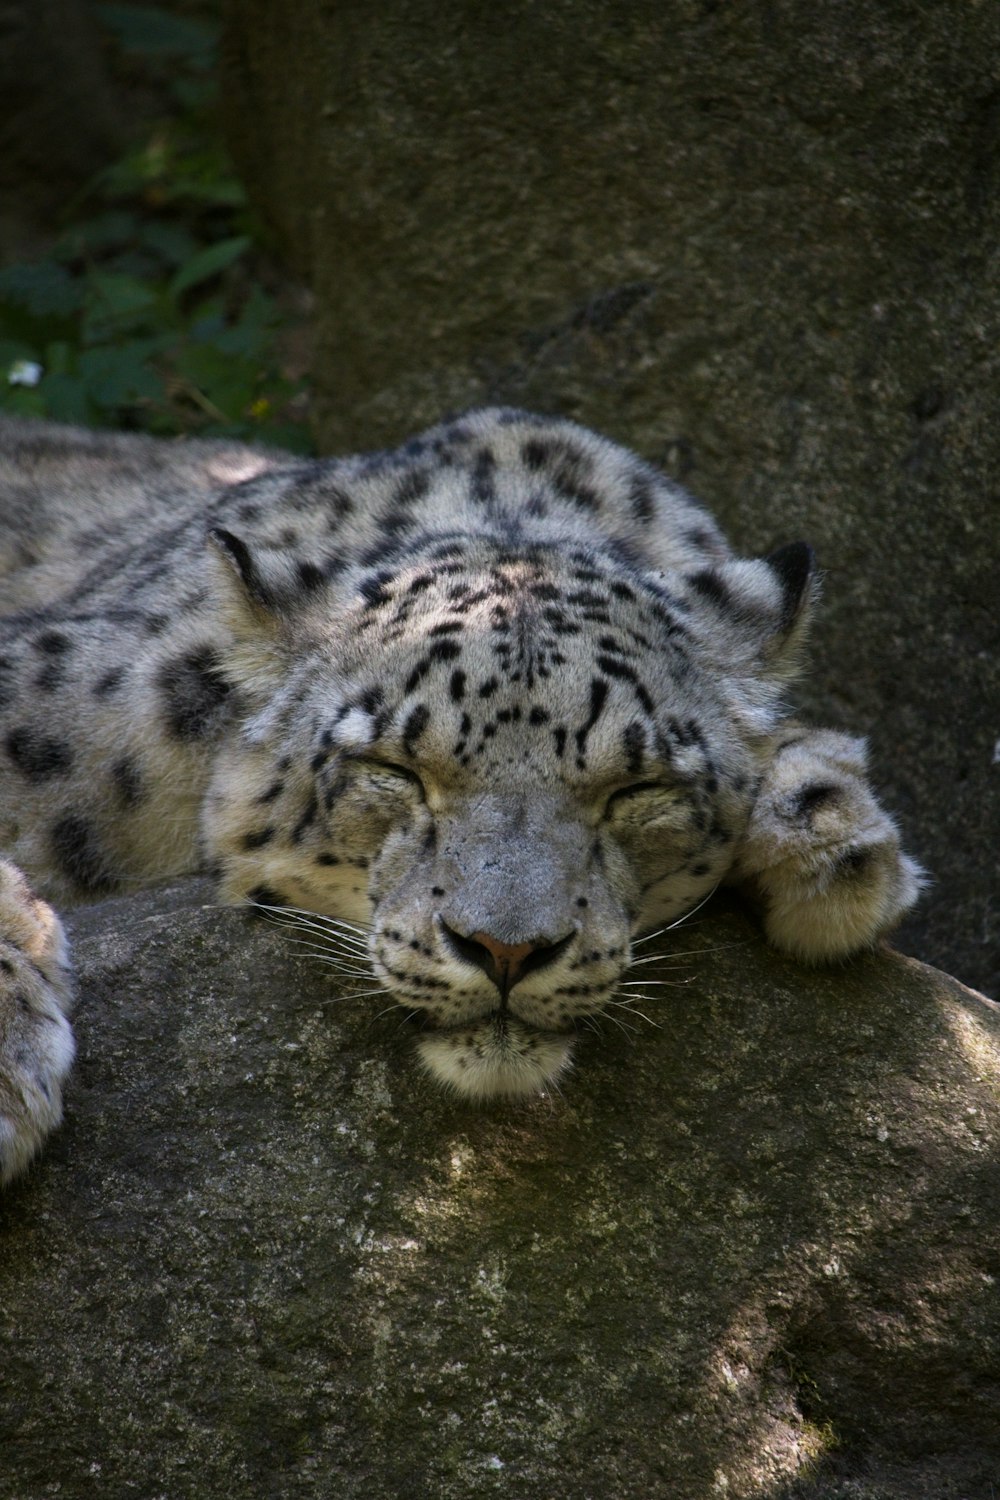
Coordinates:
755 612
271 582
263 591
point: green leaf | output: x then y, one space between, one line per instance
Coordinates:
207 331
178 170
207 319
251 334
23 401
218 192
60 358
228 383
43 290
172 243
12 351
116 304
208 263
132 174
95 236
121 375
65 398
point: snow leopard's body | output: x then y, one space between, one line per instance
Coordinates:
503 697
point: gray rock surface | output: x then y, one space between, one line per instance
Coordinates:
750 1251
758 244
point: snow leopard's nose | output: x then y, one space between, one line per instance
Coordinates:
505 963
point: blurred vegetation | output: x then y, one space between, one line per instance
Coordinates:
156 306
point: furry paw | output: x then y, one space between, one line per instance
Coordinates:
820 854
36 1040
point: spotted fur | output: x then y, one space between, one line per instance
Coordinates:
503 698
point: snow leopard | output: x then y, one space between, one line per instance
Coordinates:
488 706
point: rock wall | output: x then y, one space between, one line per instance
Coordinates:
750 1250
759 244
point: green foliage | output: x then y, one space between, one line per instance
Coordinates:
154 307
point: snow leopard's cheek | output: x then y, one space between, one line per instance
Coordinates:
677 845
403 866
368 803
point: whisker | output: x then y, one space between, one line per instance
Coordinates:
552 1086
649 936
346 940
346 962
332 962
660 984
328 941
410 1015
624 1005
688 914
684 917
387 1011
293 916
628 1002
358 960
668 954
319 916
596 1018
357 995
313 913
338 969
654 958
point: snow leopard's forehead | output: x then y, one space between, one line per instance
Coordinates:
523 656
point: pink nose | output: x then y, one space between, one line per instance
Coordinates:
508 959
504 963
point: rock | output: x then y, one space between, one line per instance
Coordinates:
750 1250
758 245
